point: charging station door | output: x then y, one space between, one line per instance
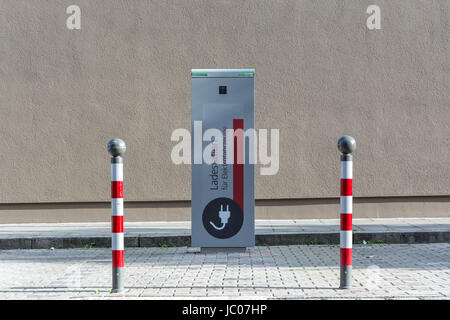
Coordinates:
223 196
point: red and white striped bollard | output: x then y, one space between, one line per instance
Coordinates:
346 145
116 148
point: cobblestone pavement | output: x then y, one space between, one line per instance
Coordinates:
299 271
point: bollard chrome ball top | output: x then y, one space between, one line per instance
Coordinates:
346 144
116 147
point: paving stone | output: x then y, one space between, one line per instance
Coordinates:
419 271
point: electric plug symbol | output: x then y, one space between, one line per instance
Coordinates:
224 215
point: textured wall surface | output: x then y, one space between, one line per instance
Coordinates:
320 74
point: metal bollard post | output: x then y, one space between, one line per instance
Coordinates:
346 145
116 148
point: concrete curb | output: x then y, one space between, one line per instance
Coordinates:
260 239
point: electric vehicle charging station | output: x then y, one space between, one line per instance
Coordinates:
223 200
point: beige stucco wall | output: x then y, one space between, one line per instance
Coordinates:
320 74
